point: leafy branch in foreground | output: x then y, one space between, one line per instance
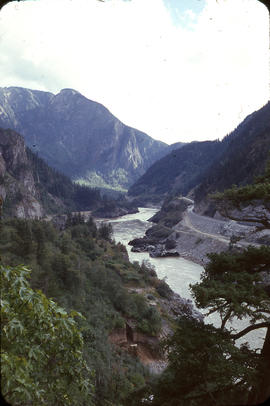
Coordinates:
41 347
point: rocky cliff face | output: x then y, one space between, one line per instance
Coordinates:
79 137
17 186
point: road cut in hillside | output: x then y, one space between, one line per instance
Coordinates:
198 235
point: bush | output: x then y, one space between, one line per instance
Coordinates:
163 289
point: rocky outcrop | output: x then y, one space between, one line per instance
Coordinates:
145 347
160 252
195 236
79 137
255 213
159 240
171 211
111 210
17 186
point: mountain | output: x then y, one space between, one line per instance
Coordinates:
209 166
17 186
248 148
79 137
29 188
177 172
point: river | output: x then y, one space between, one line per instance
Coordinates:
178 272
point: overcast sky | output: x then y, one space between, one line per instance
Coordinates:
179 70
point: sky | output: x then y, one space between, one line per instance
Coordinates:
179 70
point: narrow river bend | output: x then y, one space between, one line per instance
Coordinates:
178 272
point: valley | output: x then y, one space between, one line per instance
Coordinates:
135 202
127 261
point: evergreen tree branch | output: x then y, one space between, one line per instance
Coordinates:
248 329
226 318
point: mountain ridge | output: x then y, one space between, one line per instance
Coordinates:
200 168
244 158
78 136
178 171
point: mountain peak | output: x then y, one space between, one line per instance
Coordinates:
68 91
79 137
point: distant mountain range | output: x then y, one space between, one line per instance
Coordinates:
79 137
200 168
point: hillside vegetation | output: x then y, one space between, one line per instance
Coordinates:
206 367
81 269
243 160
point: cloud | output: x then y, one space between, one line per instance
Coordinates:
175 82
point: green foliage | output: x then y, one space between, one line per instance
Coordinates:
41 347
232 285
82 271
259 189
163 289
105 231
256 195
236 196
205 368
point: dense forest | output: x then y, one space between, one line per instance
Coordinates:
79 268
31 188
49 181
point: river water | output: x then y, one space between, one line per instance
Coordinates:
178 272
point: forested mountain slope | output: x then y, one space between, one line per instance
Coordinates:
206 167
79 137
81 269
245 157
178 171
29 188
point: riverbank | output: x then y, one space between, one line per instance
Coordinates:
178 272
178 230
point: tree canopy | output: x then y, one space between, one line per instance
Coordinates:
205 364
